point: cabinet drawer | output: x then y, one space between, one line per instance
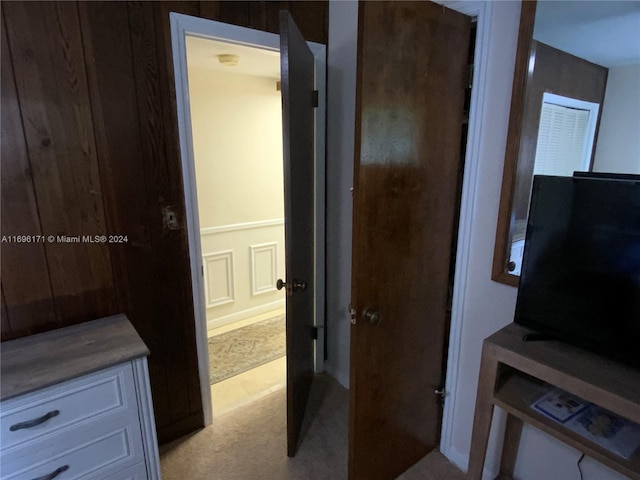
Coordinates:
63 406
95 452
137 472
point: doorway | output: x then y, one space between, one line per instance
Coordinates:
236 126
183 28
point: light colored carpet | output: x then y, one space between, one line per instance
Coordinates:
249 443
240 350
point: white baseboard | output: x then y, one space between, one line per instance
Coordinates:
249 312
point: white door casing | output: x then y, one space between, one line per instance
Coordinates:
478 113
181 27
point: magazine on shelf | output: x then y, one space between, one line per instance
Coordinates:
560 405
612 432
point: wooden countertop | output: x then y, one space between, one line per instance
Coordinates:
37 361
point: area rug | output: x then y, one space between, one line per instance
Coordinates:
245 348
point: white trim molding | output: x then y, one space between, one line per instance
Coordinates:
234 227
271 251
212 270
244 314
479 109
147 422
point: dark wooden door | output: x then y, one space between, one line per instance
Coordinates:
412 60
297 75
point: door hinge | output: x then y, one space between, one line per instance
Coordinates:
315 98
441 392
314 333
352 314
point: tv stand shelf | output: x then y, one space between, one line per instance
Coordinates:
515 373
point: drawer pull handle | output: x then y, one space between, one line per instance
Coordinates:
54 474
34 423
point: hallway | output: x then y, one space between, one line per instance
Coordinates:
248 386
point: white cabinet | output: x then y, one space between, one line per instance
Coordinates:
93 425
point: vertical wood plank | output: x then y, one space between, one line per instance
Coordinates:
177 242
311 18
149 105
128 208
176 266
26 290
258 15
273 15
210 9
51 84
5 326
236 12
172 188
154 85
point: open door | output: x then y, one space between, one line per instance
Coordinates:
297 77
412 68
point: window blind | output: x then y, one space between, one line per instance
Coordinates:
561 140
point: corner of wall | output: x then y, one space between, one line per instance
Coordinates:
341 88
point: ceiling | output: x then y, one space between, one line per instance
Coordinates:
203 54
603 32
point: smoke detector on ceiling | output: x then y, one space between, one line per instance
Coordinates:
228 60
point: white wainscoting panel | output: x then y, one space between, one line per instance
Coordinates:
245 284
264 267
219 284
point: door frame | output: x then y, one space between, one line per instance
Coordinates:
479 112
181 26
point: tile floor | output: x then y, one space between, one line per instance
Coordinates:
249 386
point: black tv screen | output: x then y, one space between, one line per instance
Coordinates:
580 278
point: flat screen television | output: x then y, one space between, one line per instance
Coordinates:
580 278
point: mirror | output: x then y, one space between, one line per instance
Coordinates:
575 106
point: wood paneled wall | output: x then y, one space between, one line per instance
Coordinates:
564 74
90 147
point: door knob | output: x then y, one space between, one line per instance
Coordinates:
372 316
294 287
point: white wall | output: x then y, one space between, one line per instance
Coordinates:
237 140
618 148
341 87
487 305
